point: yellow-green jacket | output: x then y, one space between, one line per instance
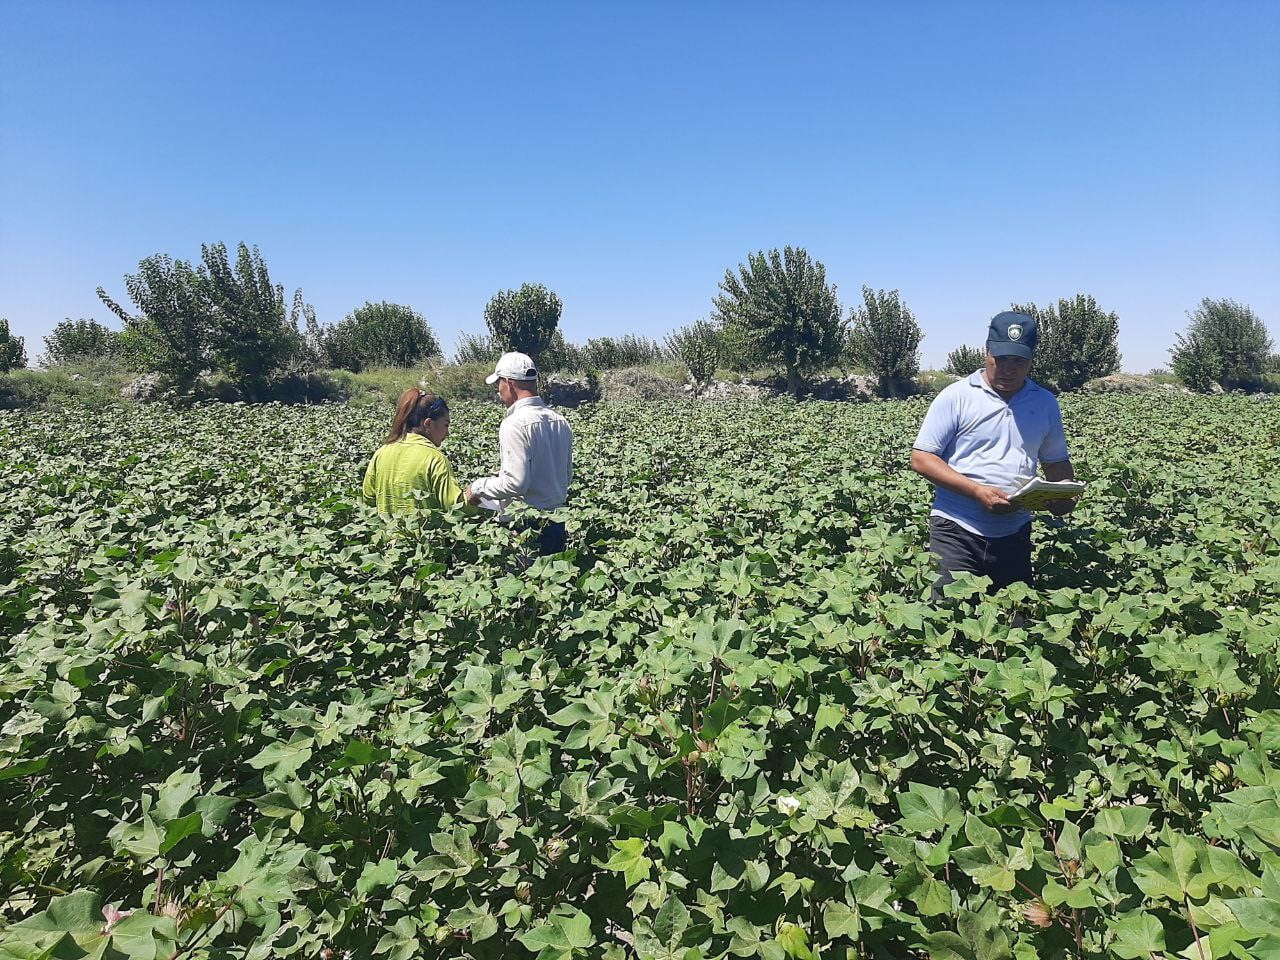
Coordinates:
412 463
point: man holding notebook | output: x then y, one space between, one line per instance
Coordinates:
982 439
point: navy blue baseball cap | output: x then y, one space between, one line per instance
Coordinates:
1012 335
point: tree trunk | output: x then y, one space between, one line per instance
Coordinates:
793 381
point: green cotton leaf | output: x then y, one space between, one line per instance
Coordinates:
375 875
1227 870
946 945
178 789
214 810
986 867
1082 896
721 879
748 941
717 717
829 716
629 860
1258 915
560 935
1059 808
978 937
931 897
672 921
477 920
1137 936
757 875
141 839
78 913
574 713
1123 821
1271 881
283 759
1268 948
639 820
23 768
980 834
984 933
1175 870
142 936
175 831
360 753
794 941
841 919
674 837
927 809
1104 856
260 875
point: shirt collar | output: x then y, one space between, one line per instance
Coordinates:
525 402
416 438
976 379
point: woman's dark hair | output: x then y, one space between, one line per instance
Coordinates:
415 408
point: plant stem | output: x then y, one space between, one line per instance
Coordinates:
1195 932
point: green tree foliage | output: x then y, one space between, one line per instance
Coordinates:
217 317
786 312
526 320
1079 342
251 336
380 335
13 349
80 341
169 334
560 355
612 353
1225 343
698 347
962 361
302 318
884 338
735 348
476 348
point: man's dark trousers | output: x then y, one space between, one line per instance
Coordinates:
1005 560
551 538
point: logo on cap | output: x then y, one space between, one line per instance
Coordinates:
1015 331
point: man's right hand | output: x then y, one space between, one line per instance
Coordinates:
993 498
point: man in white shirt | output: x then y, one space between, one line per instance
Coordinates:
536 448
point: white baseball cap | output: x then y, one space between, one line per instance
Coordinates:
513 366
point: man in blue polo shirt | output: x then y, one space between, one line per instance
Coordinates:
981 439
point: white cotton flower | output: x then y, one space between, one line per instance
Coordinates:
788 806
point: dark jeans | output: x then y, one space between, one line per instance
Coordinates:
551 538
1005 560
549 535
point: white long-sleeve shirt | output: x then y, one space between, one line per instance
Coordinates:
536 447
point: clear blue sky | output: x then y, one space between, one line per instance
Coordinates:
969 154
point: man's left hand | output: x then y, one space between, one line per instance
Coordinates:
1060 508
473 498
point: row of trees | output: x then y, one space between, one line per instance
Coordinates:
776 310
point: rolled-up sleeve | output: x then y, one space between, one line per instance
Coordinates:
1054 447
939 427
513 473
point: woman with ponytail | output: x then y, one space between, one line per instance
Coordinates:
411 459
